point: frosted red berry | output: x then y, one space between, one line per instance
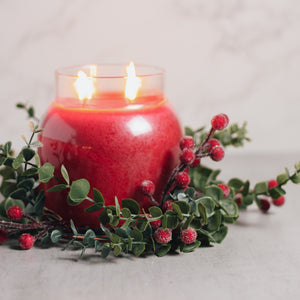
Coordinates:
15 213
26 241
147 187
212 143
154 224
168 205
163 236
264 204
188 236
217 153
219 122
272 183
225 189
3 236
238 199
279 202
195 163
187 142
183 179
187 156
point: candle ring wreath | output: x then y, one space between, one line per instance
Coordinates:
193 211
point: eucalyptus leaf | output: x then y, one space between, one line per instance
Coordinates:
79 190
65 174
56 235
132 205
57 188
28 153
46 172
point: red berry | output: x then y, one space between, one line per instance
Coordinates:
187 142
219 122
212 143
163 236
154 224
186 170
26 241
168 205
15 213
225 189
195 163
238 199
188 236
278 202
147 187
264 204
3 236
272 183
187 156
183 179
217 153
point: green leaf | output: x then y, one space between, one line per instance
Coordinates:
117 250
117 205
214 221
132 205
282 178
28 154
105 250
57 188
30 172
190 192
137 235
19 194
103 217
126 213
184 207
18 161
155 211
214 192
220 235
7 148
209 205
163 250
65 174
94 208
177 210
98 197
75 232
297 166
248 199
37 144
30 112
39 204
191 247
90 234
235 183
20 105
295 178
26 184
79 190
231 208
46 172
171 219
56 235
261 187
78 244
276 192
138 249
115 238
121 232
202 212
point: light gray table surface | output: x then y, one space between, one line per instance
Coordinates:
259 259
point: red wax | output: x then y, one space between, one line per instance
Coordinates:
114 145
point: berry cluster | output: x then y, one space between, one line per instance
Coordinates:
15 213
190 157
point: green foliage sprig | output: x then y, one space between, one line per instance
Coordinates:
127 228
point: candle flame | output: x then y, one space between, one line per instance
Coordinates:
133 83
84 85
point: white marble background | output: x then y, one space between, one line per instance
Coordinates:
241 57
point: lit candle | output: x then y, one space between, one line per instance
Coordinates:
112 127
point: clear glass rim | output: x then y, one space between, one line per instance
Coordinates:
67 70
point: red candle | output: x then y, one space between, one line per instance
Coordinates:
113 142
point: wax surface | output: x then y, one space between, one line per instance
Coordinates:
114 149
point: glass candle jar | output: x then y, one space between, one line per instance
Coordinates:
113 128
